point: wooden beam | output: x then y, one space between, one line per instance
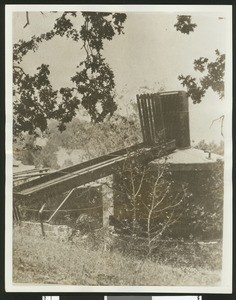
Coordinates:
69 170
64 181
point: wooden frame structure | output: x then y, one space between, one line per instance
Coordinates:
164 117
83 173
164 123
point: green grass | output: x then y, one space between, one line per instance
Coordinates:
50 261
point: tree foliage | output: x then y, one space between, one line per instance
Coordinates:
213 78
214 71
184 24
35 99
88 139
212 147
26 149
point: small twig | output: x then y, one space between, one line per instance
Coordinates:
146 206
162 198
27 19
221 118
141 183
169 206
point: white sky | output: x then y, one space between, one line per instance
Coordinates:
151 53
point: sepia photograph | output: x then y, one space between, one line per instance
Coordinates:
119 149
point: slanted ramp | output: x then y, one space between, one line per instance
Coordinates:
65 179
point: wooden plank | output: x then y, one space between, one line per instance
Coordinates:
146 121
141 118
67 176
150 118
67 197
157 115
69 170
145 140
92 173
31 171
86 172
153 118
162 118
22 176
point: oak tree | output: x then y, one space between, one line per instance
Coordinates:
212 71
35 99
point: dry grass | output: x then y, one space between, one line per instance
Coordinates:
49 261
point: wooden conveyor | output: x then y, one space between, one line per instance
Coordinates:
65 179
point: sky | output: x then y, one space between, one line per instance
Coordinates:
150 54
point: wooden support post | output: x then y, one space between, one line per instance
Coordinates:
60 205
108 210
41 219
107 201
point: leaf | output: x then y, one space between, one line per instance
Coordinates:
184 24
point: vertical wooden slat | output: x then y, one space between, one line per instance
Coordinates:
155 120
144 119
162 118
157 116
146 122
150 118
141 118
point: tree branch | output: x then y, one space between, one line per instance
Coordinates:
27 19
221 118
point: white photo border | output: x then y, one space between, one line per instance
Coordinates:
226 284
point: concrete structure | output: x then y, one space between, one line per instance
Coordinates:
189 167
190 159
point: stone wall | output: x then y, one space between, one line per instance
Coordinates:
61 232
83 201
